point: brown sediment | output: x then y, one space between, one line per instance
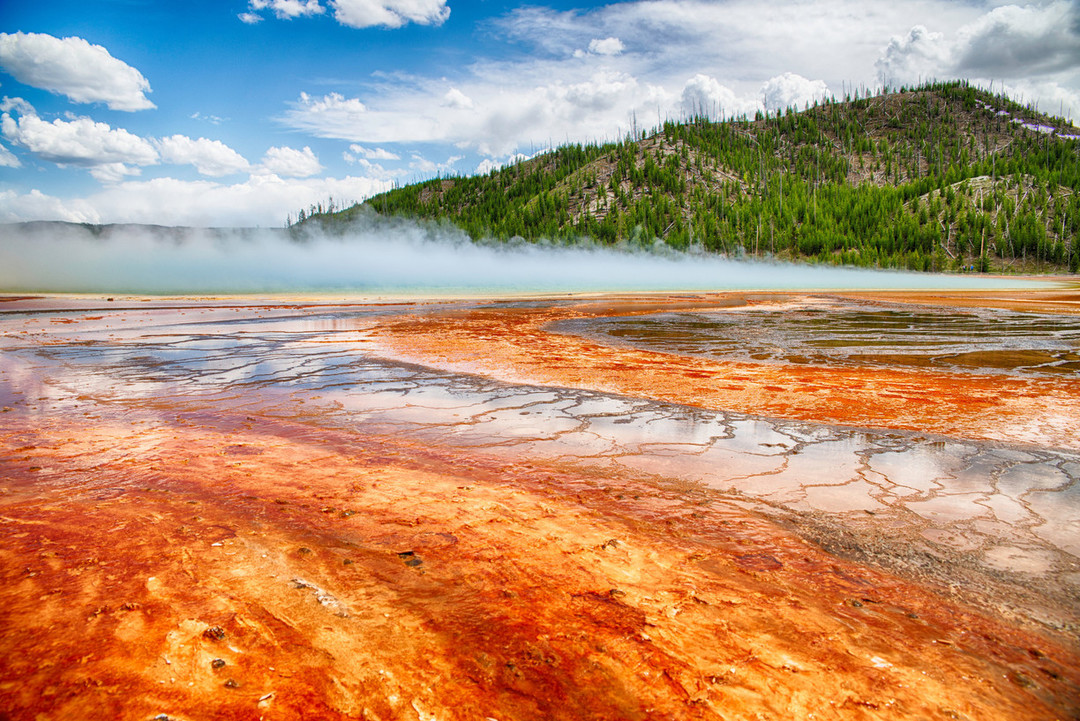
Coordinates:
513 344
184 556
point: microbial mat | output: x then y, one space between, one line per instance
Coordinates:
716 506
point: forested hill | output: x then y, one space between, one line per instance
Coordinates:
940 177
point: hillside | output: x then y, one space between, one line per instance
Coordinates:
941 177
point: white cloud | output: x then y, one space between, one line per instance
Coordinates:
704 95
8 159
335 116
73 67
1030 43
113 172
791 90
607 46
291 162
260 200
376 170
915 57
488 164
421 164
284 9
370 153
210 157
1021 42
390 13
454 98
331 116
35 205
355 13
212 119
77 142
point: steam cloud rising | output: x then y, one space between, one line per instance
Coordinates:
384 257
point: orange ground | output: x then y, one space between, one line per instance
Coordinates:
511 344
181 559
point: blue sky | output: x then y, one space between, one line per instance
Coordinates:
238 112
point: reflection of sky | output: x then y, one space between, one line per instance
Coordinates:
827 333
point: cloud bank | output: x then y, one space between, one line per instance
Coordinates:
262 199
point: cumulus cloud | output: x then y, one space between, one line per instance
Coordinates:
390 13
791 90
607 46
210 157
73 67
80 141
291 162
355 13
914 57
260 200
1008 42
704 95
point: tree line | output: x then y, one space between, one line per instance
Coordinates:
940 177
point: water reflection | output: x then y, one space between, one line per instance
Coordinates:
852 333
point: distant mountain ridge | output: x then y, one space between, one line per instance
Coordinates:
941 177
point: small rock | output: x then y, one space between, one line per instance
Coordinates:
214 633
231 684
410 558
218 663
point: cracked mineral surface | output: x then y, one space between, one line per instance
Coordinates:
700 506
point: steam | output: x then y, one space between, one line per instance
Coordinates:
386 257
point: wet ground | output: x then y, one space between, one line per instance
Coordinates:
218 509
847 332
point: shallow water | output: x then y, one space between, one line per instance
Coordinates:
850 333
